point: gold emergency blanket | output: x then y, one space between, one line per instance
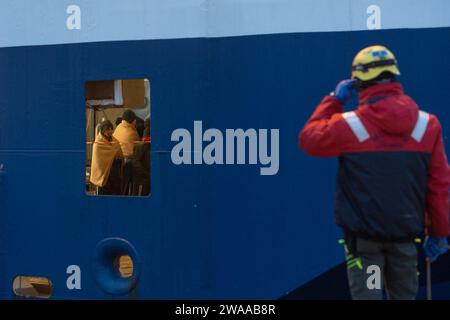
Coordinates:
127 135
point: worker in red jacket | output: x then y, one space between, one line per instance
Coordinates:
393 178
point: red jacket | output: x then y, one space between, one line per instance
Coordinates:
393 165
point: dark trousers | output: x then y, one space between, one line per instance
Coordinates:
397 263
114 182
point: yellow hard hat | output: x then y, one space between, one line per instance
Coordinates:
370 62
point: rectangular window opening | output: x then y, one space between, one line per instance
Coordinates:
118 140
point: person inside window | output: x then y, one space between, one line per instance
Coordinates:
106 161
141 163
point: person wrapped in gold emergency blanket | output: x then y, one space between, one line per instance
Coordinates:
127 135
106 161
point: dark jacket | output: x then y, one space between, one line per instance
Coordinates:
392 164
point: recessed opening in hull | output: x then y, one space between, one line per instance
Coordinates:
32 287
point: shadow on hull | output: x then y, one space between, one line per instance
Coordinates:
332 285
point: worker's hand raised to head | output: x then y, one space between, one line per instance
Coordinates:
434 247
345 91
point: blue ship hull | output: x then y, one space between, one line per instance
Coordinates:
205 232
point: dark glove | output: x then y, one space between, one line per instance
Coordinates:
345 91
434 247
